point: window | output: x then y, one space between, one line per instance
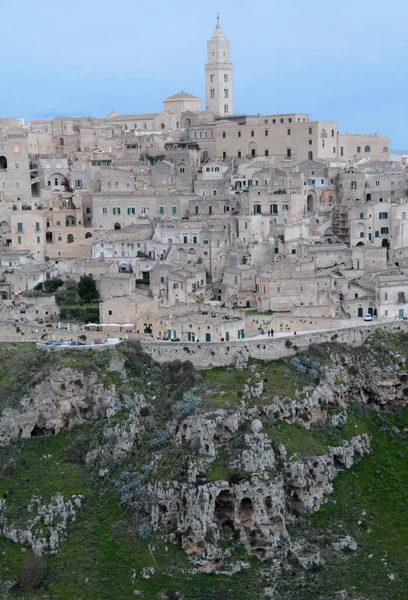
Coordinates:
224 155
301 289
131 210
185 239
361 234
290 120
16 149
358 149
17 185
274 121
88 210
58 223
383 215
289 131
116 184
38 239
252 133
224 135
273 209
403 216
293 250
182 169
310 142
161 279
60 238
362 215
19 239
161 210
377 183
210 210
384 230
288 153
278 290
266 152
367 149
239 154
212 77
116 210
332 132
104 210
225 108
266 132
401 297
174 210
341 151
175 286
214 192
70 239
282 120
37 227
239 134
225 93
276 250
386 296
17 165
225 78
310 131
195 239
19 227
109 184
354 185
386 313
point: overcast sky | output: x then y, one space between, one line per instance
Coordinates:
339 61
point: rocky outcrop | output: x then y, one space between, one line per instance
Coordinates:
256 509
47 528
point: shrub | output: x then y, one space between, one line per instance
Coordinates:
188 404
160 440
180 376
288 344
87 288
132 492
145 531
51 285
77 451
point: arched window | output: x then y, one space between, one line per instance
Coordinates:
188 122
163 126
61 141
3 163
88 235
403 216
385 149
70 220
367 149
70 238
116 226
212 78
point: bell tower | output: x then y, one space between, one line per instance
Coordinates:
219 96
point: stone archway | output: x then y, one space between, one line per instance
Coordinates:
311 202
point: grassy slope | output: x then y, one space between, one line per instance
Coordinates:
103 548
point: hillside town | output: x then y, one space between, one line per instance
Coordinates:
198 224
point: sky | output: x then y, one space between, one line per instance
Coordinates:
344 61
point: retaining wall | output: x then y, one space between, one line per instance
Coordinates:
221 354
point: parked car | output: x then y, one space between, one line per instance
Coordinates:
368 317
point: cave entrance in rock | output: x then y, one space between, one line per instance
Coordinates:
246 511
224 507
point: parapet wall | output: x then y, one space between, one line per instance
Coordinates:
222 354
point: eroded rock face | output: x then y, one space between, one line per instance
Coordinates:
256 508
66 398
46 526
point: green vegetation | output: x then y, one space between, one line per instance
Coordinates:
107 548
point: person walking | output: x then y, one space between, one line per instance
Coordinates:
272 332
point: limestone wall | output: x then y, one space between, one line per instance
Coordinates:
221 354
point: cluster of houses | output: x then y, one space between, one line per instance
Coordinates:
200 224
